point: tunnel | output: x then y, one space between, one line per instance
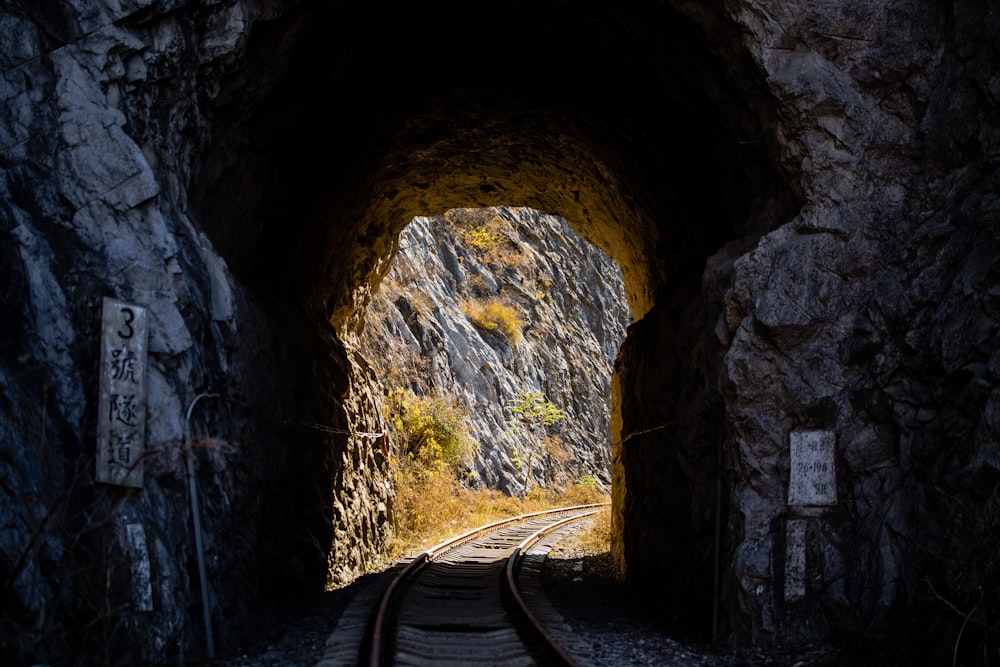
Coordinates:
802 198
654 138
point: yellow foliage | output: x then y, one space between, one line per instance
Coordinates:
494 315
486 237
432 429
492 238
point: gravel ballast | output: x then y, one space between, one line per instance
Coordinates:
612 625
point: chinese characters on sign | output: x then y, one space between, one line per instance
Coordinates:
795 560
812 478
121 418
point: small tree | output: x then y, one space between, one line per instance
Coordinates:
532 411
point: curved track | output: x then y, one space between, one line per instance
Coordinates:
458 603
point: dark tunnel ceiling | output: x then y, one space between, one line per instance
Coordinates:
613 115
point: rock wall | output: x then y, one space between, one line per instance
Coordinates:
106 109
570 299
870 314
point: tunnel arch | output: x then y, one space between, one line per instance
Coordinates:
626 124
650 131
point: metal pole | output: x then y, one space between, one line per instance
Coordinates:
716 556
196 518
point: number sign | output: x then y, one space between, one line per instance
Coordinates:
812 479
121 417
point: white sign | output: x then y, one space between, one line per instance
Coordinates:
121 417
142 582
795 560
812 479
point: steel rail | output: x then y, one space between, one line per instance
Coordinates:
381 635
530 624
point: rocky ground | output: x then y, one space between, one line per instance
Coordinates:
620 629
581 584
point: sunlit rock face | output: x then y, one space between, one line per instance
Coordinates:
803 199
571 315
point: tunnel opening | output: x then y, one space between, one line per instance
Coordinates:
484 305
649 131
492 339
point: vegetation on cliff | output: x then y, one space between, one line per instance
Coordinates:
493 335
480 304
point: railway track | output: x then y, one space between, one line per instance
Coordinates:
459 603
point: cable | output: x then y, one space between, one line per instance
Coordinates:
323 428
660 427
316 426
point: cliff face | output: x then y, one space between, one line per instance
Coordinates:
570 303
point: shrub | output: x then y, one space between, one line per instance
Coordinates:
431 429
598 537
488 235
532 410
432 502
432 506
494 315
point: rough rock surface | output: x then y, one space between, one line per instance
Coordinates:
803 198
570 299
872 314
103 119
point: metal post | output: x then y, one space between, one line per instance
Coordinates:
196 518
716 555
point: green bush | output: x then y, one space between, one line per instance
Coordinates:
532 410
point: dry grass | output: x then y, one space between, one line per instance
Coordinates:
432 506
428 464
598 537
